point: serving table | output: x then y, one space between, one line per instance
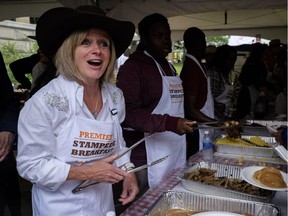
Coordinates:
141 206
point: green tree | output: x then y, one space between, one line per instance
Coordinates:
217 40
11 53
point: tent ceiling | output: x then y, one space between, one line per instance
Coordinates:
245 17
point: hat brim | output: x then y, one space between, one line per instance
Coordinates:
32 37
55 25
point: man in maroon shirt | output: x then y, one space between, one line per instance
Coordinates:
199 102
143 80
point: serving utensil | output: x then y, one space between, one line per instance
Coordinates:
133 146
81 185
148 165
84 184
212 125
248 141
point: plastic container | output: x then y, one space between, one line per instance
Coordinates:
207 147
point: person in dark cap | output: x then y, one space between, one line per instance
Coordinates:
69 130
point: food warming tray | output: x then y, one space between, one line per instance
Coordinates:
199 202
248 150
223 170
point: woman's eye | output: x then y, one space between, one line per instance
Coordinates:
103 44
85 42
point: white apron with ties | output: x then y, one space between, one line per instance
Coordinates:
82 142
166 143
226 97
208 108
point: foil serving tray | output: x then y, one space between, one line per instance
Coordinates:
199 202
223 170
248 150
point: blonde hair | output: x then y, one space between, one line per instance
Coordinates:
65 63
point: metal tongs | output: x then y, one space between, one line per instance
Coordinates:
85 184
216 125
208 125
148 165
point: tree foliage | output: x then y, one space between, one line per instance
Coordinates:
217 40
11 53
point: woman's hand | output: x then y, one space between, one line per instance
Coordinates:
130 189
101 171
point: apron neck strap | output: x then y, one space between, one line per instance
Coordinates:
160 69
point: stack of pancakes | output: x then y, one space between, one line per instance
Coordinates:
270 176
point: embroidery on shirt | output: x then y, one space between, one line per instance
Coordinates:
60 103
116 97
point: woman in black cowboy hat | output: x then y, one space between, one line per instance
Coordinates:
69 131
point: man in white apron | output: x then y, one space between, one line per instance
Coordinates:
154 102
199 103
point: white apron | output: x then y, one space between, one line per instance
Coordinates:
84 141
167 143
226 97
208 108
253 97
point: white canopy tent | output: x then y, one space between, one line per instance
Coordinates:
215 17
267 18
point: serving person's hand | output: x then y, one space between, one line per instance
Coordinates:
232 129
6 139
233 132
185 126
130 189
101 171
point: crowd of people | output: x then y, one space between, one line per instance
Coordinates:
79 118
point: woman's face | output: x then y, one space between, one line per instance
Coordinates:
92 56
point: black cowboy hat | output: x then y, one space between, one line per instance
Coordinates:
32 37
56 24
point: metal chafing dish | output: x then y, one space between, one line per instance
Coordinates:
223 170
199 202
248 150
258 127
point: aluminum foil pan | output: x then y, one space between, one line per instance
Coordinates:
223 170
248 150
251 128
199 202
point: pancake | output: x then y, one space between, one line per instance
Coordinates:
266 169
270 177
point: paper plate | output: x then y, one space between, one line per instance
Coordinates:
248 172
217 213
